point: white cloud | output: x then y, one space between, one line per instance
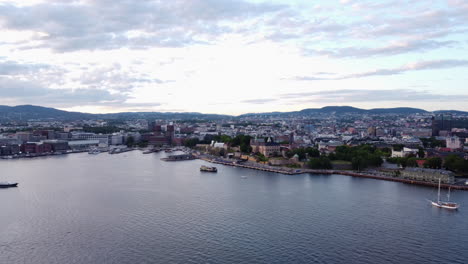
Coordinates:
224 56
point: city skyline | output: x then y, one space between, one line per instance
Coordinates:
233 57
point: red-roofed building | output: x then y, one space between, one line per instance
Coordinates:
420 163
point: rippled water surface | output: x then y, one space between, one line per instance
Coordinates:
134 208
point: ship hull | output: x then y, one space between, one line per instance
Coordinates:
445 205
9 185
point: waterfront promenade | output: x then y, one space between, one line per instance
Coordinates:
293 171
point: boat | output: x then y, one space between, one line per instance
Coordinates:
447 205
208 169
148 151
94 151
8 184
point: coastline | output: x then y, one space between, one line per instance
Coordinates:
291 171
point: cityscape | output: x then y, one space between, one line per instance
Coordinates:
233 131
404 143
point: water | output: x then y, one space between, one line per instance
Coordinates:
134 208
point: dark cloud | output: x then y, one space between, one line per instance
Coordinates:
358 95
115 78
104 24
410 26
424 65
28 92
15 68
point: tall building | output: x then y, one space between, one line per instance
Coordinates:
441 122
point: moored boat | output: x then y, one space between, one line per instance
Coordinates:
208 169
8 184
148 151
94 151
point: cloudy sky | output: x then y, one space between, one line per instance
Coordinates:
233 56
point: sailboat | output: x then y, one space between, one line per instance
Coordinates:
447 205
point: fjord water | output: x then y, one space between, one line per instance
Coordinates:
135 208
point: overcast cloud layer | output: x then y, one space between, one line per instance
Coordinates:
233 56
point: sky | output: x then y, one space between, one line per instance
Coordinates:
233 56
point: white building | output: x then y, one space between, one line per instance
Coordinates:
454 142
404 152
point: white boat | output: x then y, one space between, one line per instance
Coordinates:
148 151
94 151
447 205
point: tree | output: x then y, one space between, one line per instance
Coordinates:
143 143
456 163
421 153
358 163
411 162
398 147
313 152
130 141
246 148
433 163
374 160
262 157
191 142
323 163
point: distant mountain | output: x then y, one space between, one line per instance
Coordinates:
333 109
455 112
160 115
397 110
28 112
347 109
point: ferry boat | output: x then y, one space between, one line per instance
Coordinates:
208 169
8 184
447 205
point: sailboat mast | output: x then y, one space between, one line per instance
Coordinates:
438 193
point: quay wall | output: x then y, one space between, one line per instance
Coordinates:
290 171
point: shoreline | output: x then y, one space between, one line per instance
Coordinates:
292 171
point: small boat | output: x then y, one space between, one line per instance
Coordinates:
208 169
148 151
447 205
94 151
8 184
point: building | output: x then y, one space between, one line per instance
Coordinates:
10 149
57 145
441 122
90 136
454 142
404 152
428 175
116 139
81 145
268 149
